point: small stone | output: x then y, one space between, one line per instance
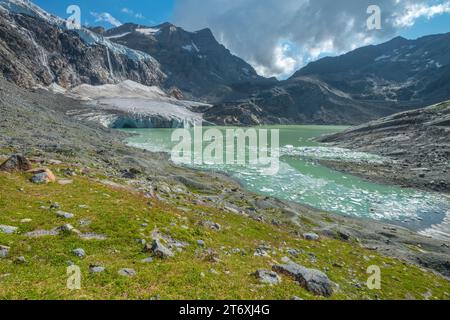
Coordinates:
65 215
147 260
295 298
4 251
55 206
269 277
201 243
7 229
20 260
65 182
96 269
259 252
83 206
144 225
68 228
80 253
214 271
212 225
293 252
92 236
311 236
85 222
126 272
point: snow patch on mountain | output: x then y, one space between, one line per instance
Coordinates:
191 47
118 35
147 31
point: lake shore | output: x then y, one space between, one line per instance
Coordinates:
94 151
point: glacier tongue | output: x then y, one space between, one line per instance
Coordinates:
132 105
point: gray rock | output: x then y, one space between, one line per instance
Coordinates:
126 272
159 250
4 252
147 260
40 178
85 222
42 233
55 206
201 243
92 236
20 260
312 280
311 236
80 253
214 271
96 269
7 229
65 215
266 276
68 228
294 252
259 252
16 162
212 225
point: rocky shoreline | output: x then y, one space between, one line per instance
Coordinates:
54 135
416 143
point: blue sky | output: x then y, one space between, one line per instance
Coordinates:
151 12
147 12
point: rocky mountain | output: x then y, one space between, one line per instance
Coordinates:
362 85
403 71
368 83
418 141
194 61
37 49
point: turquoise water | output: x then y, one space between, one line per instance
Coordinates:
301 179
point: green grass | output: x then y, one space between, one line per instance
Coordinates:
119 214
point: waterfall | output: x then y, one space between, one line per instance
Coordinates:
109 62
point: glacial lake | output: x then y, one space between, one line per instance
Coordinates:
301 179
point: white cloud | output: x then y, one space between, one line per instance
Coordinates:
254 29
417 11
130 12
106 17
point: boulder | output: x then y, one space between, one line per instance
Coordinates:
42 176
266 276
16 162
312 280
158 249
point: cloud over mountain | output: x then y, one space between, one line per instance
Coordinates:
277 37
